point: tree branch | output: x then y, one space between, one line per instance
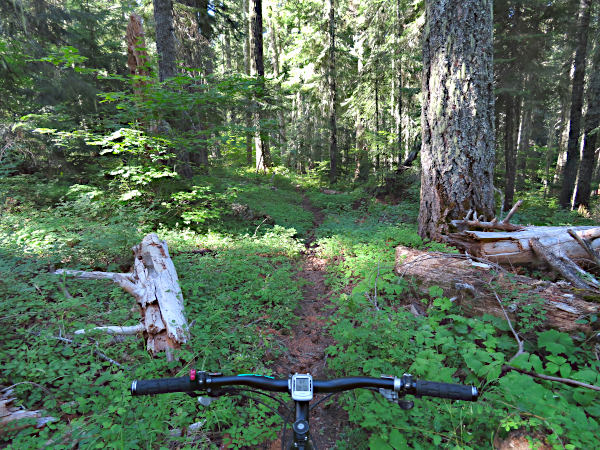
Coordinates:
550 378
587 247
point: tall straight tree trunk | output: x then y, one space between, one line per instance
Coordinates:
457 114
563 138
592 120
165 47
248 114
257 68
510 154
165 40
399 69
333 153
275 60
525 134
377 158
573 150
549 153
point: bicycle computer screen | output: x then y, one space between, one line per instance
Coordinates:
302 384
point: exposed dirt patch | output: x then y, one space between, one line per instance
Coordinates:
307 344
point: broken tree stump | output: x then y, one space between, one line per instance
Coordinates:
470 282
155 286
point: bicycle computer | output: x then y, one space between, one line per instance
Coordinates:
301 387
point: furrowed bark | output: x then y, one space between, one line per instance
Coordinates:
457 114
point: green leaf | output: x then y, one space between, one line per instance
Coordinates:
377 443
397 440
583 396
565 370
536 362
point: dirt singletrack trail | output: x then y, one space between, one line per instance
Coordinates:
308 341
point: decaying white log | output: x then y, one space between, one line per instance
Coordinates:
471 285
155 286
513 248
11 416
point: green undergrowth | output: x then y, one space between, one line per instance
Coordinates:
376 333
241 297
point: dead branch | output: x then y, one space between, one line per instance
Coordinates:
517 338
134 329
586 246
567 268
506 368
80 274
12 417
504 225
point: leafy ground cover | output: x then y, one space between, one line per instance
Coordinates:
242 297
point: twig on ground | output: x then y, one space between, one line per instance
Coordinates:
63 289
96 351
256 231
517 338
550 378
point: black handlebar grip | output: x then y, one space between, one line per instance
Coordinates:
161 386
446 390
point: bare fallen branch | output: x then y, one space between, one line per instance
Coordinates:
567 268
520 351
129 330
586 246
82 275
569 381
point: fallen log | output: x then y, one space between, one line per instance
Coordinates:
14 418
513 248
155 286
471 285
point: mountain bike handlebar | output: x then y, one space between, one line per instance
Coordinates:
207 381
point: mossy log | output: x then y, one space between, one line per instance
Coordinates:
471 285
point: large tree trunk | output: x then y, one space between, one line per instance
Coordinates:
572 161
457 114
400 27
472 287
155 286
332 99
247 113
257 68
165 40
592 120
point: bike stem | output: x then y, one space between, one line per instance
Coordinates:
301 427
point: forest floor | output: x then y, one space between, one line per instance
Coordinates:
308 341
292 295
